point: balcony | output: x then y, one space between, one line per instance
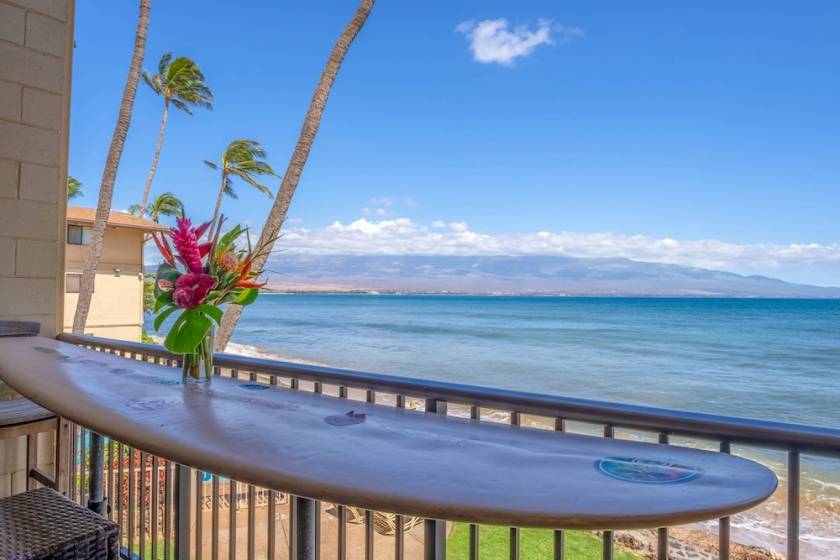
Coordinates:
168 510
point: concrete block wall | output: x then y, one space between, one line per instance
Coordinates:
36 45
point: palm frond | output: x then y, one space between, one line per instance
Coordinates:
184 81
164 63
178 104
166 204
153 81
74 188
210 164
229 189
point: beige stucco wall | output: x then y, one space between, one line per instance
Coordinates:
36 38
116 310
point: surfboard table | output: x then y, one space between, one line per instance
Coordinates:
379 457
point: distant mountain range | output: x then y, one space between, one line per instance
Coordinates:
521 275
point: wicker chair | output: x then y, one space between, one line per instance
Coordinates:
44 525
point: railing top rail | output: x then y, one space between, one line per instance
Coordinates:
781 435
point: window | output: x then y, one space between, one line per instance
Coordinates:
78 235
73 283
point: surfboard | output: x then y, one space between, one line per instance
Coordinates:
379 457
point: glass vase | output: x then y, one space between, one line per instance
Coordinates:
197 366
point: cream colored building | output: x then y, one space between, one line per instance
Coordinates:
116 310
36 46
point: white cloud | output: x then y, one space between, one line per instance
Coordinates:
402 236
492 40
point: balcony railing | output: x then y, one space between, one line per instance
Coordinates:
164 508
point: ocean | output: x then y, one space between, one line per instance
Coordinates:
757 358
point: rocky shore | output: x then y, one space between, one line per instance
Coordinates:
689 544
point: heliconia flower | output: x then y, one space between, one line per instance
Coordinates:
249 284
165 285
199 231
186 242
227 261
204 248
164 249
191 289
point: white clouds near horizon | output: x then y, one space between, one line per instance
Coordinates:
402 236
493 40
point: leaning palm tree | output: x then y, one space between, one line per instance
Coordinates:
180 83
166 204
74 188
109 174
279 209
244 159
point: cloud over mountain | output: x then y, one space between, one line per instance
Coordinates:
402 236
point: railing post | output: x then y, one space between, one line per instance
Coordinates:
96 500
183 511
793 506
304 528
724 523
434 531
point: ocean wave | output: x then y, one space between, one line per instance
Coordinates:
251 351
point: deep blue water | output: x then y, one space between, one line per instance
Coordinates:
772 359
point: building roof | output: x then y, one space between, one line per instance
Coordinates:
79 215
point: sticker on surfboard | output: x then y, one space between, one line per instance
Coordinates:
348 419
646 471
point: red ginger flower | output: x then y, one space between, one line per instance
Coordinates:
191 289
185 238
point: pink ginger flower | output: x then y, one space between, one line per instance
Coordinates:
191 289
185 238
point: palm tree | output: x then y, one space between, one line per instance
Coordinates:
180 83
280 208
109 174
74 188
244 159
166 204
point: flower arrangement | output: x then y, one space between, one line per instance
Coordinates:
198 277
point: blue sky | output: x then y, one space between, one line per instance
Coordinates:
702 134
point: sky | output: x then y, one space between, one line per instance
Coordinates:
702 134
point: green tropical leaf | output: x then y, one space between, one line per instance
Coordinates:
164 299
230 236
212 311
187 332
247 296
163 315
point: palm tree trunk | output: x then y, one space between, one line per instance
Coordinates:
218 209
301 153
109 174
148 186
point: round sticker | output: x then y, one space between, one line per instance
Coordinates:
646 471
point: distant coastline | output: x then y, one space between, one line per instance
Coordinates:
305 289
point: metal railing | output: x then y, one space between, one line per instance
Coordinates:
179 496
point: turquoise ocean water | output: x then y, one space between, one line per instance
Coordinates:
770 359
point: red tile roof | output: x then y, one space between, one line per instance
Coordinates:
79 215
